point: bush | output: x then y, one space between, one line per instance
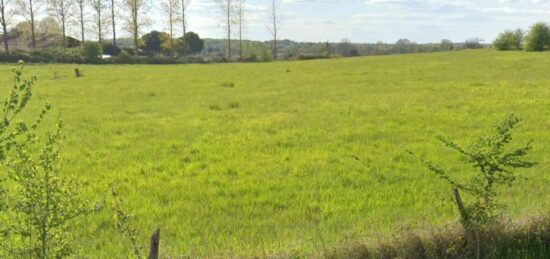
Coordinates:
509 40
123 57
110 49
495 165
538 38
91 51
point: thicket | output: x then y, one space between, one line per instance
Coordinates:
536 39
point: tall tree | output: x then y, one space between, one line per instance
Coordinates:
61 10
99 7
28 9
227 9
184 5
81 7
275 22
4 20
171 8
113 22
241 13
136 18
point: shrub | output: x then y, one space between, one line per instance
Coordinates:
38 203
110 49
538 38
91 51
123 57
494 163
509 40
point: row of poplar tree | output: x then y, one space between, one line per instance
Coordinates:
133 15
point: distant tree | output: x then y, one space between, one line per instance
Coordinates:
328 49
153 41
275 17
62 10
226 8
92 51
172 9
110 49
28 9
191 43
509 40
136 18
21 29
99 7
346 48
403 46
5 15
538 38
446 45
473 43
49 26
241 19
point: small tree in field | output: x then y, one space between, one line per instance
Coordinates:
509 40
538 38
39 203
494 164
92 51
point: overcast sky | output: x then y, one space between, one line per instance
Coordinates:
371 20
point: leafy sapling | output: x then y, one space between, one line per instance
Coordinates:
495 164
124 224
39 201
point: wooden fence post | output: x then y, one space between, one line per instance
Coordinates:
155 240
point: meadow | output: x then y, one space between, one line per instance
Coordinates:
287 158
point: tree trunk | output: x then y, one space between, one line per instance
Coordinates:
229 28
82 19
135 26
183 16
113 22
99 34
32 25
4 28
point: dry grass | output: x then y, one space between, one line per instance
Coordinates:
525 238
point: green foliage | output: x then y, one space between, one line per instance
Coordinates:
495 164
110 49
91 51
38 203
123 222
191 43
123 57
44 203
266 55
509 40
538 37
446 45
153 42
13 105
473 43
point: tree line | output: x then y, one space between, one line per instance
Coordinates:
134 16
537 38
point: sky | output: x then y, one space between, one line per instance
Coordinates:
364 20
379 20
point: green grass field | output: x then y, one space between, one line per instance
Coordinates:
261 159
